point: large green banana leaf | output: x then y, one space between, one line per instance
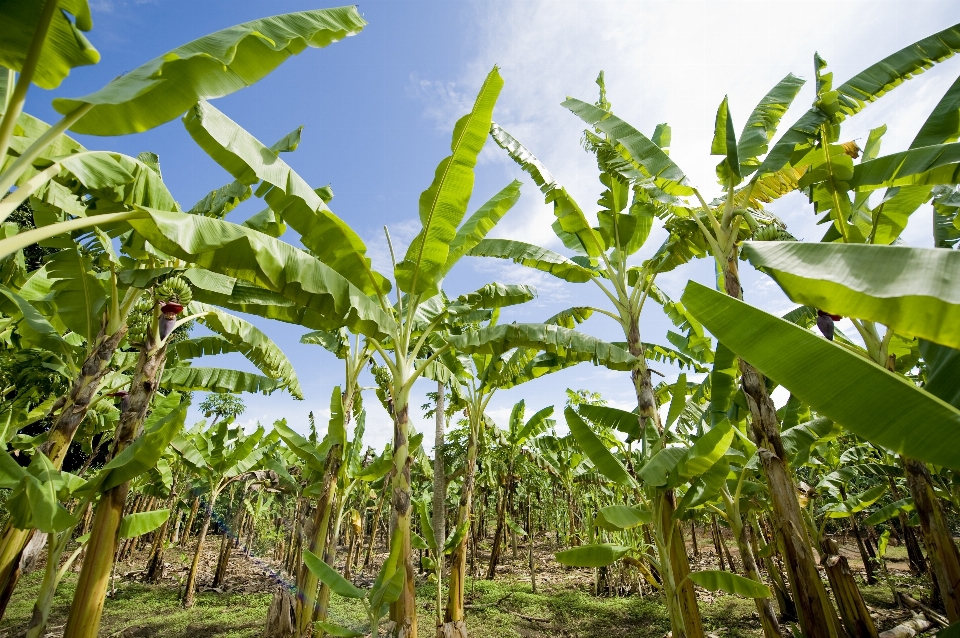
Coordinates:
592 555
79 296
915 291
256 346
65 46
605 462
533 257
201 347
763 121
925 166
725 143
210 67
241 296
568 344
943 371
872 402
140 523
443 205
164 423
890 72
189 379
498 296
249 161
233 250
34 327
481 222
717 580
943 124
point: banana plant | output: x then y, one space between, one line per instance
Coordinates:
604 251
219 457
718 229
518 433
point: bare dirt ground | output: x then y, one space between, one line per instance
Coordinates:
564 604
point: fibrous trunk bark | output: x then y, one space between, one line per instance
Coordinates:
941 549
439 470
454 623
768 617
817 617
853 611
685 620
190 588
403 612
87 607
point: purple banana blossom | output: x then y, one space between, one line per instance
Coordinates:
825 322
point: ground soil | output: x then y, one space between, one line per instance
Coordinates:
564 605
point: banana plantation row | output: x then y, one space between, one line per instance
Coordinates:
104 275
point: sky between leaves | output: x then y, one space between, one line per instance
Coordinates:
378 110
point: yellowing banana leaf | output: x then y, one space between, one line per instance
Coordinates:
533 257
443 205
64 48
592 555
878 405
207 68
915 291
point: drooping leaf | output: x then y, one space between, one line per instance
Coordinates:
592 555
641 149
64 48
617 517
209 67
331 577
444 203
598 453
300 446
532 257
235 251
498 295
568 344
190 379
140 523
889 511
607 417
876 404
912 290
249 161
337 630
252 342
718 580
571 225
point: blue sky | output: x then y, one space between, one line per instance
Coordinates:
378 109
